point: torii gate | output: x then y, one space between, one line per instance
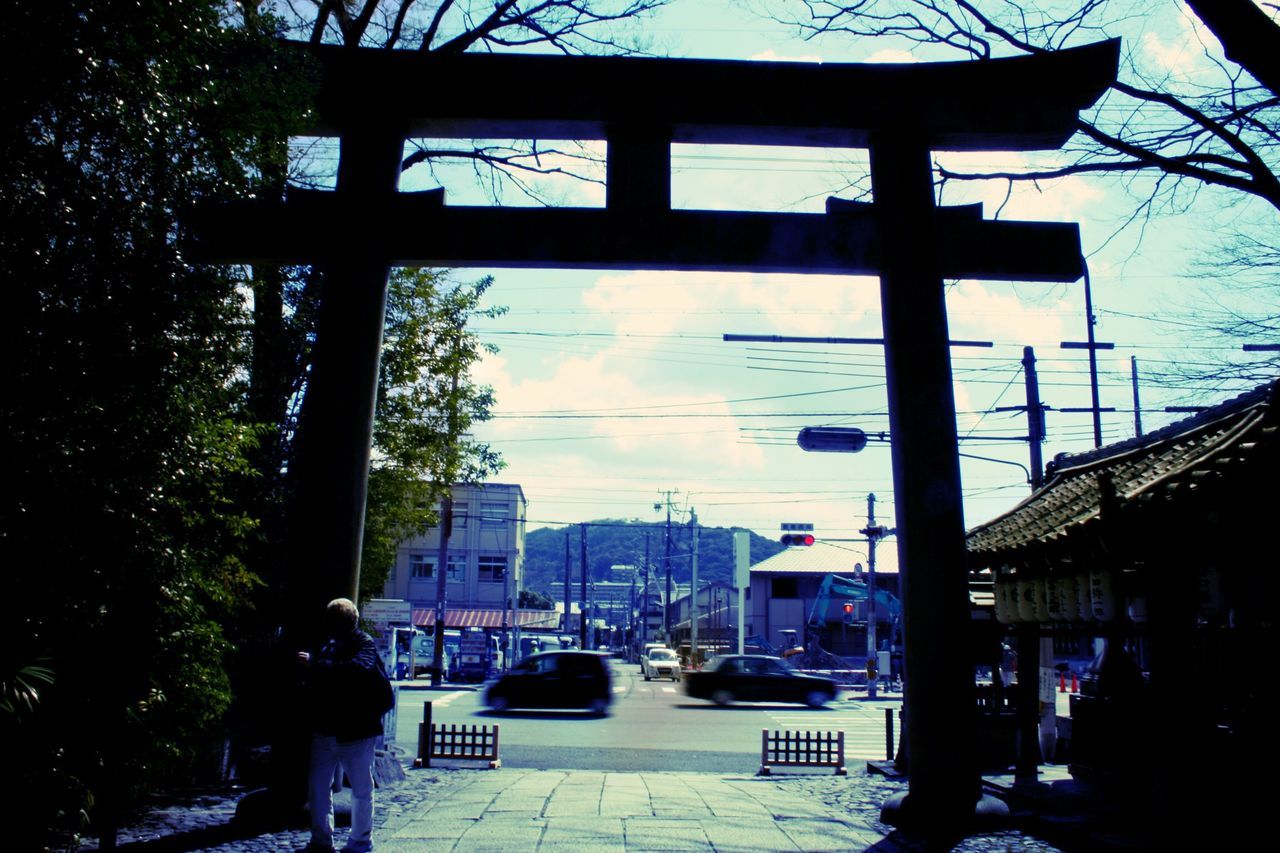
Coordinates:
371 99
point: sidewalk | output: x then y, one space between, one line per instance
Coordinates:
557 810
465 811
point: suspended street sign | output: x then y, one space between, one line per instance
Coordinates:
832 439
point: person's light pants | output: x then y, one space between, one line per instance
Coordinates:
356 758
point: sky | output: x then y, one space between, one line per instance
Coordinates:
617 394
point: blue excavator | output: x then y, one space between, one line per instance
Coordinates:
810 654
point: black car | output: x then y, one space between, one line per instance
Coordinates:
757 678
561 679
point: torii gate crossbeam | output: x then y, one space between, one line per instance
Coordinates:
372 100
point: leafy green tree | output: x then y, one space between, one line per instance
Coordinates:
119 523
426 406
533 600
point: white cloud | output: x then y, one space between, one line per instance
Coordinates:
891 55
772 55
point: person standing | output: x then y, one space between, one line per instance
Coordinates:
346 712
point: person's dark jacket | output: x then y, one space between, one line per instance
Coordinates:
343 675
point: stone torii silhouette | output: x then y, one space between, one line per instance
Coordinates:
372 101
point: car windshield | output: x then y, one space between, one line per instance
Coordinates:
662 654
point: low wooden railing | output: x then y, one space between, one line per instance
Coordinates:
456 742
801 749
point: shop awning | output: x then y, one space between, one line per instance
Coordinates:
425 617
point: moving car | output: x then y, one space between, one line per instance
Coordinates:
648 647
561 679
660 663
757 678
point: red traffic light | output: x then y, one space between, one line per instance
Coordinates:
797 539
848 607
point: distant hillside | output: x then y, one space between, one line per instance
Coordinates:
611 543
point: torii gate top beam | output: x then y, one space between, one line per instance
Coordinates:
1020 103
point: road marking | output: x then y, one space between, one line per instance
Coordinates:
668 690
863 733
446 699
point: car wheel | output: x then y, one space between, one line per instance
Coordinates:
722 697
815 699
499 703
599 706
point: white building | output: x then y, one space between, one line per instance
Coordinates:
485 565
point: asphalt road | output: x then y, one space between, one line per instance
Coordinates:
651 726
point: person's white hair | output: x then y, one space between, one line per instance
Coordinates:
343 612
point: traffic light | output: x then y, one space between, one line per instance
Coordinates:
797 539
848 613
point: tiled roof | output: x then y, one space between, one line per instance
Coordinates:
425 617
1217 443
820 558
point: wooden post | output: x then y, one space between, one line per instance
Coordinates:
424 738
888 734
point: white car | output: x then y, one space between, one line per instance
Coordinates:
648 647
660 663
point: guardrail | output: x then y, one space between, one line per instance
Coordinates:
801 749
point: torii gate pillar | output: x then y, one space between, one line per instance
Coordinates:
939 697
335 431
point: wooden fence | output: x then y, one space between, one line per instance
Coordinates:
801 749
456 742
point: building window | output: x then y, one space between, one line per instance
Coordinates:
493 514
785 588
424 566
460 515
421 566
493 569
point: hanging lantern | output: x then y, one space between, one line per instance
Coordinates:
1209 587
1084 603
1042 599
1102 595
1027 599
1006 605
1060 595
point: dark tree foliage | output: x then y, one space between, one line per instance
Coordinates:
119 526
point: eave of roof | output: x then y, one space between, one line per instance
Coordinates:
1216 442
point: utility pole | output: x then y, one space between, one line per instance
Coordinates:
568 587
442 568
693 592
1137 405
446 529
666 604
582 619
1092 346
874 533
1035 416
644 601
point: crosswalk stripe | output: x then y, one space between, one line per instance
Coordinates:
863 734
